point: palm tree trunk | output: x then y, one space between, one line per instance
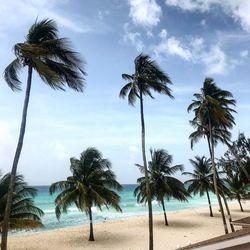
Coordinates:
211 149
228 211
231 148
150 213
209 203
15 162
241 208
91 231
164 211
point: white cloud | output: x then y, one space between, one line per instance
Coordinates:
195 50
145 13
203 23
244 53
150 33
27 11
215 61
192 5
197 43
67 23
172 46
163 34
133 38
237 9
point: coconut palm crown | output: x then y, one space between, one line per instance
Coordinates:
201 178
24 214
147 77
213 105
50 56
162 184
92 183
237 189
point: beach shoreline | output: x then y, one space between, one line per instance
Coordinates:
185 227
119 219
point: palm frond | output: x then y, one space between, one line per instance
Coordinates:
53 58
11 75
24 213
147 77
93 184
42 31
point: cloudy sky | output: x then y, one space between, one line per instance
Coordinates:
190 40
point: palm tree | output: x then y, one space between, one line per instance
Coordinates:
92 183
23 214
237 158
162 184
147 77
201 178
238 190
219 135
213 118
56 64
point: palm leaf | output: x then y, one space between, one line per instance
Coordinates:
11 75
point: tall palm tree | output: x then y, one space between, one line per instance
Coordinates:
219 135
213 117
23 214
201 177
92 183
56 64
162 184
147 77
238 190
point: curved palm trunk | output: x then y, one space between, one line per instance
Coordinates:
211 149
15 162
209 203
241 208
227 207
164 211
231 148
228 211
150 213
91 231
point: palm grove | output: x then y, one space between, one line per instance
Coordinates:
92 182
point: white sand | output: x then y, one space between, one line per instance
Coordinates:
185 227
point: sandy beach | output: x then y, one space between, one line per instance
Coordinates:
185 227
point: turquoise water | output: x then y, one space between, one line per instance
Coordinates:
128 204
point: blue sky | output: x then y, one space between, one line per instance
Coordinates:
190 40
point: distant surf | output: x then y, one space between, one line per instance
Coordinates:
128 204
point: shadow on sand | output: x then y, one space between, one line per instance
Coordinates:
176 224
101 239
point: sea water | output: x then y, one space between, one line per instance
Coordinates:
130 208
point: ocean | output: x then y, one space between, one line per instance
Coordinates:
130 208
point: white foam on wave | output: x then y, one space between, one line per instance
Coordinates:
154 202
49 211
139 204
73 209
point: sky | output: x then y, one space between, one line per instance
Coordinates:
189 39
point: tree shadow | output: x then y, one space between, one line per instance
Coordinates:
206 214
102 240
176 224
237 210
